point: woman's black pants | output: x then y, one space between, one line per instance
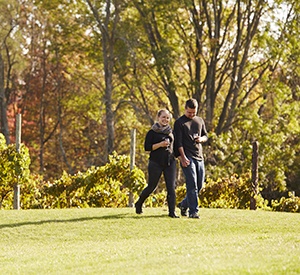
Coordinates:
155 171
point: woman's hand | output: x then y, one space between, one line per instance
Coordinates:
165 143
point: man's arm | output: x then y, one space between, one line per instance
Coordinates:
204 136
183 159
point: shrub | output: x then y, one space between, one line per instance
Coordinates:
291 204
157 199
180 193
229 192
105 186
31 192
14 170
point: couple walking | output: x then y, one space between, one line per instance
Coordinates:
164 146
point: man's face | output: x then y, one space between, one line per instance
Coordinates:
190 113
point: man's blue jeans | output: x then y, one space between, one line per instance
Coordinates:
194 177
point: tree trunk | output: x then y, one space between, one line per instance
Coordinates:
42 114
3 104
108 38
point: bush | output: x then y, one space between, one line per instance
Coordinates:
291 204
180 193
157 199
230 192
105 186
14 170
31 192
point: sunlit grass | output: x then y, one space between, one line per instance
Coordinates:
117 241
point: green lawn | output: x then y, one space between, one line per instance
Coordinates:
117 241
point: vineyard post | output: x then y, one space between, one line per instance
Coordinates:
132 161
254 175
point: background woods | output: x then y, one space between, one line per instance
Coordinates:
84 73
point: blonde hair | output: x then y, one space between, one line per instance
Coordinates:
164 111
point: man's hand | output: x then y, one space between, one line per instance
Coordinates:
184 161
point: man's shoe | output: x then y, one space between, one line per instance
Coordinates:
183 210
194 216
173 215
138 208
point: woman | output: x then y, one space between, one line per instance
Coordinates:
159 141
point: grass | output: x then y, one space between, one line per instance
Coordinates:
117 241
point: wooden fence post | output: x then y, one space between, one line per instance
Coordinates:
254 175
132 161
18 144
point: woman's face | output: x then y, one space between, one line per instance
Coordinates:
164 118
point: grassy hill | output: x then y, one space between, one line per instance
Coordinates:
117 241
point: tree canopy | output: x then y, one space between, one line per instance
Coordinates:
84 73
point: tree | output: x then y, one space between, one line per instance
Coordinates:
151 15
108 25
96 67
223 52
9 19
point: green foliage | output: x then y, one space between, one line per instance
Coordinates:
227 154
229 192
157 199
14 170
32 195
105 186
110 185
180 193
277 132
290 204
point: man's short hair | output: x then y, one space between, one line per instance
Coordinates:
191 103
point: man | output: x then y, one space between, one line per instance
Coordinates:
190 133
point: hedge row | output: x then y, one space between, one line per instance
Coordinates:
113 184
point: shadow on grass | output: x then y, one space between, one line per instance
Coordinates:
149 216
108 217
